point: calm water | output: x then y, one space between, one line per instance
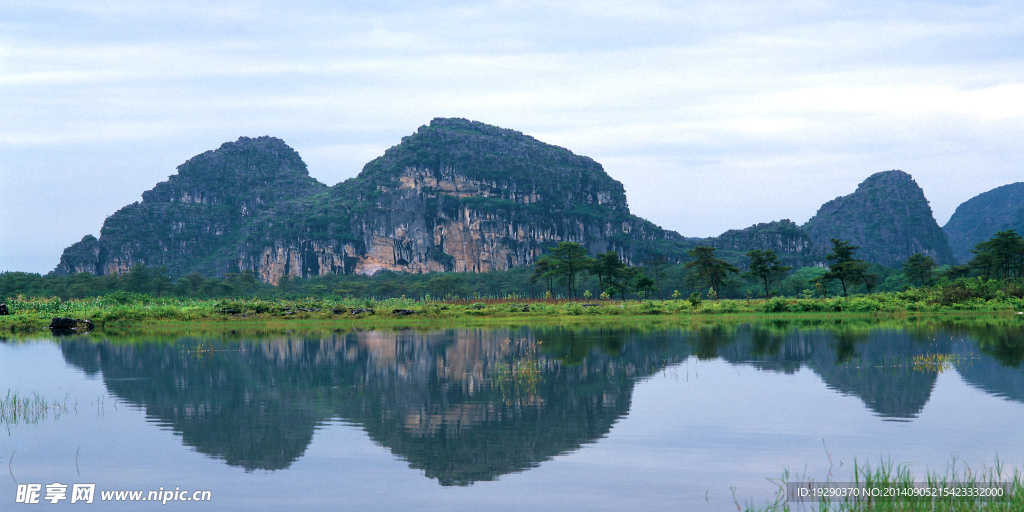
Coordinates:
514 419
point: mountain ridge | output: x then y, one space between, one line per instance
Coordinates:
455 195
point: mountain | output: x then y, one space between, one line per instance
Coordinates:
788 240
193 221
456 195
980 217
887 216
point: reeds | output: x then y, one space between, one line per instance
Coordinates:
17 408
895 489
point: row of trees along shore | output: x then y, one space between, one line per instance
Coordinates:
567 272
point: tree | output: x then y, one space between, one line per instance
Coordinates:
608 268
657 262
643 284
709 268
765 265
919 267
1001 256
544 268
844 267
569 260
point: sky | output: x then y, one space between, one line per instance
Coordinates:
714 115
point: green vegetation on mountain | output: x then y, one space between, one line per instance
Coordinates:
459 197
455 196
193 222
887 216
980 217
784 237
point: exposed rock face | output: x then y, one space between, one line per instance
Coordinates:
980 217
784 237
455 196
887 216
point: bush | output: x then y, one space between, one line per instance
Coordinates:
864 305
775 305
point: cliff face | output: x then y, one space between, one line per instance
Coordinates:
784 237
455 196
980 217
887 216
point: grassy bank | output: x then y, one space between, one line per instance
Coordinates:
127 312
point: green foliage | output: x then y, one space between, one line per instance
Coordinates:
979 218
845 268
1000 257
713 271
919 267
567 261
765 265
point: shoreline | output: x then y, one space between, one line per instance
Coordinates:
168 316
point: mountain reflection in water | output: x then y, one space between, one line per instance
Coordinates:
473 404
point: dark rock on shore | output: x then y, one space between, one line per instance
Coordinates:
63 325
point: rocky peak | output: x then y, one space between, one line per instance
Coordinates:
464 158
456 195
887 216
247 174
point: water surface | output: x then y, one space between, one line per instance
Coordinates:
510 419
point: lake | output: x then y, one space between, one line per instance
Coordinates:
691 417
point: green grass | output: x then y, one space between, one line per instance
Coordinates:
888 476
125 312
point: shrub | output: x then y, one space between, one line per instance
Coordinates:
775 305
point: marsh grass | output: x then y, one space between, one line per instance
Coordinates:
887 475
17 408
932 363
517 371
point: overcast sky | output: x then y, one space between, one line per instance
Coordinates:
714 115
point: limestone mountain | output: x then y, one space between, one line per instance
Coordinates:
887 216
980 217
784 237
456 195
193 221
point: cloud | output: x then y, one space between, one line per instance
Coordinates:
715 115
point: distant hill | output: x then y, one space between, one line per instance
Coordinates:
980 217
887 216
788 240
456 195
464 196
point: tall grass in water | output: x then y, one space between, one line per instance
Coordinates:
17 408
887 476
517 370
